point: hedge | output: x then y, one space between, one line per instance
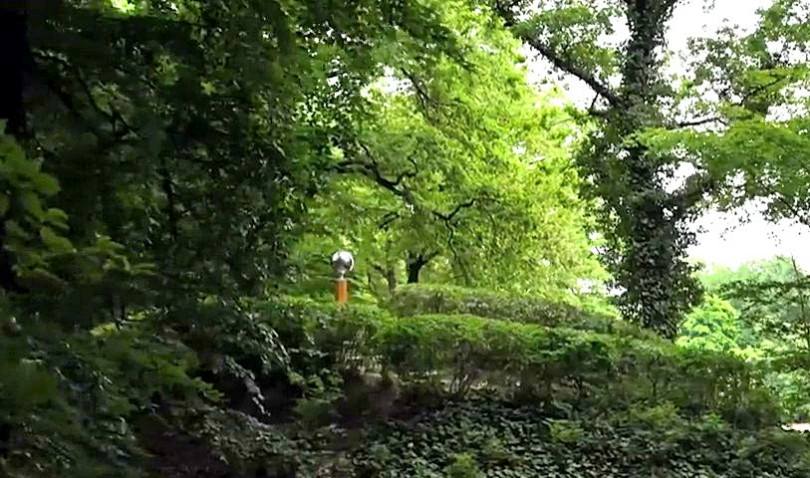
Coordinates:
584 314
459 354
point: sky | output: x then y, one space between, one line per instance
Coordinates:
724 239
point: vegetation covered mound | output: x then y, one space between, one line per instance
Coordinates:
489 438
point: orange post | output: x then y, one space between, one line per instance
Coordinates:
342 291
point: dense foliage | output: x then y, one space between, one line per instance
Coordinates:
498 439
174 176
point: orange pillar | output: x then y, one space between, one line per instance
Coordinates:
342 291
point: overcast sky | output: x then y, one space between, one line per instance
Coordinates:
725 239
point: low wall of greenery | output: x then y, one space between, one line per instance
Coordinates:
579 313
553 366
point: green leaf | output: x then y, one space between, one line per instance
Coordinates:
57 218
45 184
32 204
55 242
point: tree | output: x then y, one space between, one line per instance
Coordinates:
773 299
749 89
196 146
644 219
463 171
713 325
161 159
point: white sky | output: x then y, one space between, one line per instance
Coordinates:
727 239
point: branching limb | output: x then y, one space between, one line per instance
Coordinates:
370 168
701 122
118 125
568 66
450 216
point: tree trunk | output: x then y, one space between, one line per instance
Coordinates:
414 268
14 38
391 279
414 264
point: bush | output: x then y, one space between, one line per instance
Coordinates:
321 335
71 401
583 314
461 353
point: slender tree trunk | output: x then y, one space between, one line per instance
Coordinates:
13 62
414 268
391 279
805 322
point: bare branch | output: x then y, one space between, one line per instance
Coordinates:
801 216
370 167
421 90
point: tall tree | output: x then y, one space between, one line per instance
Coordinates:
192 131
750 90
645 220
463 171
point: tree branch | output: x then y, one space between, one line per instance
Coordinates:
113 116
799 215
388 219
569 67
696 186
448 217
371 169
701 121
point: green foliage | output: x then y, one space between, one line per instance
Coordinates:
773 323
74 398
714 325
580 312
34 231
621 446
180 162
463 466
457 163
458 354
563 431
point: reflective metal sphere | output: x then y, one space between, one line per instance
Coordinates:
342 262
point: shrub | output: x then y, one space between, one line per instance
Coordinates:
321 335
421 299
462 353
564 431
